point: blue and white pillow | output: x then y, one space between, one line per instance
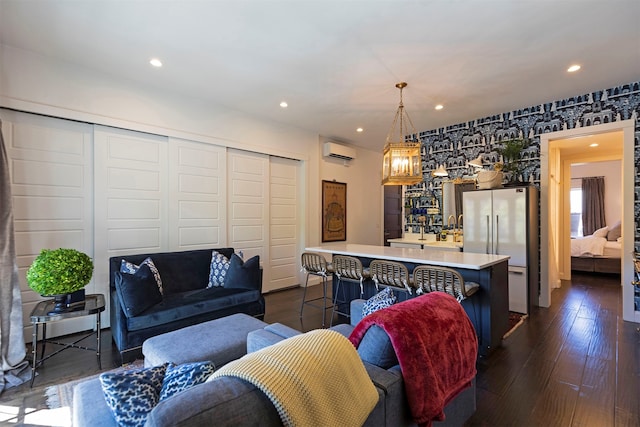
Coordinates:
383 299
132 394
218 269
131 268
181 377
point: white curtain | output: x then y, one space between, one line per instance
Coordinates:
12 348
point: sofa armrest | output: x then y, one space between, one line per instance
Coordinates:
270 334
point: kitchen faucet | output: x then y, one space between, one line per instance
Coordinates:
455 236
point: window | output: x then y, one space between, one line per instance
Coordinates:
575 201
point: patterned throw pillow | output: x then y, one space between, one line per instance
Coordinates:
132 394
218 269
383 299
131 268
181 377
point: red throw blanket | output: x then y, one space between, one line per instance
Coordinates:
436 346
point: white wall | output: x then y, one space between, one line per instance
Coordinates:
363 176
38 84
612 173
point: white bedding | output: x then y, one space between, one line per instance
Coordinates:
595 246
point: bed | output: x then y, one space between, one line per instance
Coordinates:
599 252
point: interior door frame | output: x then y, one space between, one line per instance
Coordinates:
549 170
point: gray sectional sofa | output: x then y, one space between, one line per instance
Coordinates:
229 401
185 300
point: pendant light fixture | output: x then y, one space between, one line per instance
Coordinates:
401 162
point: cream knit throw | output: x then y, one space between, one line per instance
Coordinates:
313 379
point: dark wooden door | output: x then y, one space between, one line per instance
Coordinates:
392 212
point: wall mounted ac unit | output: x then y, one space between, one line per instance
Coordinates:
337 151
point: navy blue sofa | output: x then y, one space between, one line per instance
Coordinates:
185 300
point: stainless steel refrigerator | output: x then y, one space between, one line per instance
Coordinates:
505 222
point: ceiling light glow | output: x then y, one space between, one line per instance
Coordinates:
573 68
359 130
593 145
155 62
283 104
439 107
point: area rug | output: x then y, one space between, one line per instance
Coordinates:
61 395
515 320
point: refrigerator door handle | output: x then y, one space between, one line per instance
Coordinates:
497 235
487 249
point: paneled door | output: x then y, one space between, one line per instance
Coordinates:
51 173
198 192
284 213
248 205
131 196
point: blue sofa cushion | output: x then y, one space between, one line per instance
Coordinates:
218 269
132 394
137 292
191 304
376 348
131 268
243 274
180 377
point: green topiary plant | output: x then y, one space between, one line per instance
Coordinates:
59 271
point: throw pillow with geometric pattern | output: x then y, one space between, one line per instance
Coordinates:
218 269
383 299
132 394
181 377
131 268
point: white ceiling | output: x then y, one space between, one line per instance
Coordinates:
337 62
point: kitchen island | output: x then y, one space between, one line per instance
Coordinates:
488 309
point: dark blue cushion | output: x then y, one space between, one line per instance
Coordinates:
191 304
137 292
132 394
243 274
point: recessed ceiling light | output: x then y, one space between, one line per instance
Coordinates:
155 62
283 104
593 145
439 107
359 130
573 68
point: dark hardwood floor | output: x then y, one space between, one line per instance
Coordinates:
573 364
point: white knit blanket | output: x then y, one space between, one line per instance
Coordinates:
313 379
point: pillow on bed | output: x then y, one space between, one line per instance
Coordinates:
601 232
614 232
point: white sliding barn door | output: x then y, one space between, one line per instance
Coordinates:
131 194
284 232
248 205
197 207
51 183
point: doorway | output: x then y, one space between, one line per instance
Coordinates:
552 225
392 212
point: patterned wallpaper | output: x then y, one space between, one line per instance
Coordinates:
455 145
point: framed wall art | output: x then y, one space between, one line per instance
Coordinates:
334 211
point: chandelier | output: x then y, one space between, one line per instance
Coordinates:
401 163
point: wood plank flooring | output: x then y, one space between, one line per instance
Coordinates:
573 364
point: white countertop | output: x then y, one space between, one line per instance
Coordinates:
432 256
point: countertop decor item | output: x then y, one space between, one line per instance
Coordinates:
511 150
60 273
